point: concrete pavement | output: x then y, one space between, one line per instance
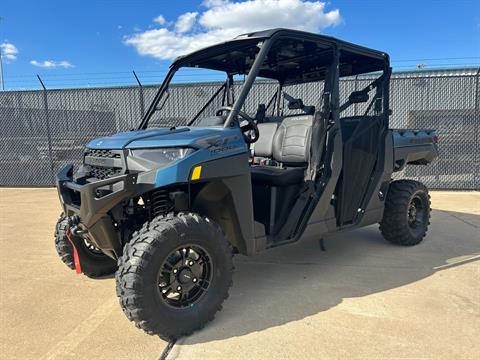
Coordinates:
361 299
46 310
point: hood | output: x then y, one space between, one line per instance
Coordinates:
158 137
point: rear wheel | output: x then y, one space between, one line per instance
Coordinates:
93 261
407 213
174 275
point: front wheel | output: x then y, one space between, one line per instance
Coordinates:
174 275
93 261
407 213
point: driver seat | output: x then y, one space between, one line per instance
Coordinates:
290 148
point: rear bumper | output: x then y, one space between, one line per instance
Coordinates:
92 208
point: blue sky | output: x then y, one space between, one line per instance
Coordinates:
98 42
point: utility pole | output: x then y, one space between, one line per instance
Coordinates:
1 62
1 70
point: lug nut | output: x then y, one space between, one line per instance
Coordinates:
179 288
194 280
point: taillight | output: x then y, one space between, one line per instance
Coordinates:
435 139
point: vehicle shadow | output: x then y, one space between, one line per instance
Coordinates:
293 282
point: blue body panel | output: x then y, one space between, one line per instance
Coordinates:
161 137
210 143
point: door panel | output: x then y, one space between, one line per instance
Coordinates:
360 150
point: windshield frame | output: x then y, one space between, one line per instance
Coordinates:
263 44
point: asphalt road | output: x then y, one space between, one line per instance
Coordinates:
361 299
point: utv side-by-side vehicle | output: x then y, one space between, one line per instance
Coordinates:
165 208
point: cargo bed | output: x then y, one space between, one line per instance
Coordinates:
415 147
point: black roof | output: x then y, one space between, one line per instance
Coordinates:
297 57
317 37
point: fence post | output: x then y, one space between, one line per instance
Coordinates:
476 126
142 103
47 123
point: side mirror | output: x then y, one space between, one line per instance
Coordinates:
357 97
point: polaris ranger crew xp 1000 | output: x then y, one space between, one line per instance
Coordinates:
165 208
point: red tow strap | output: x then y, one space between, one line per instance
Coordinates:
76 259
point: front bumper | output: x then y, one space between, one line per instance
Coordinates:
86 201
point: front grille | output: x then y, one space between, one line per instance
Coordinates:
103 173
103 163
102 153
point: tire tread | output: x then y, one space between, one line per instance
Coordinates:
393 225
62 245
136 254
64 249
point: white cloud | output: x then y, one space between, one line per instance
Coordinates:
223 20
211 3
51 64
185 22
9 51
160 20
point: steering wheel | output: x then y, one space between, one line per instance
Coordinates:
247 125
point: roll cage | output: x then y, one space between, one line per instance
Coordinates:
295 57
288 56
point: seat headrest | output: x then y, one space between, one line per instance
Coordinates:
291 144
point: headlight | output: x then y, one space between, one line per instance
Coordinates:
159 157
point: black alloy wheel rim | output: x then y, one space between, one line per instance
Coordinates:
417 214
185 276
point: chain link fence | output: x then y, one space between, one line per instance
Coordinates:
43 130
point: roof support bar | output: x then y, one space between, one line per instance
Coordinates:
257 64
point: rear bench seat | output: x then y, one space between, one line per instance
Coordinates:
289 144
